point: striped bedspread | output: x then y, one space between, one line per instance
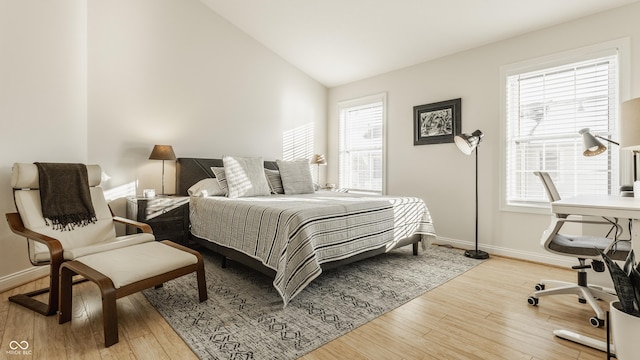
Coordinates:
294 234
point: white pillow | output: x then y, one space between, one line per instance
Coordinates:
296 176
221 178
275 183
245 177
206 187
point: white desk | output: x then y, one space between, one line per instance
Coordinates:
602 205
607 206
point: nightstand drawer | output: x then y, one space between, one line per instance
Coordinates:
164 215
167 226
168 216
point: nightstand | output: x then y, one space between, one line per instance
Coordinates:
168 216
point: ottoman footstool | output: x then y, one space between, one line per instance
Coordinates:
125 271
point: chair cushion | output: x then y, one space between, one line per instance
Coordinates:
127 265
41 253
588 246
119 242
98 234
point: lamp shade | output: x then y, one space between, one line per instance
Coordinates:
318 159
162 152
630 125
468 143
592 146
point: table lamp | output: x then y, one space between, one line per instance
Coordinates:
162 152
468 144
630 130
317 160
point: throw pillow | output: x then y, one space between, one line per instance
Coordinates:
296 176
221 178
275 182
245 177
206 187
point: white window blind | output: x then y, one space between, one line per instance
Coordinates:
545 109
361 153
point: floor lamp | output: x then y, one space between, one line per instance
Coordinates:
468 144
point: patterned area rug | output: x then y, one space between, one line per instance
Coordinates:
244 317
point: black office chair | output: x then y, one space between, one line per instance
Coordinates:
583 248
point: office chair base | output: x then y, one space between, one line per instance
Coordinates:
586 294
476 254
583 340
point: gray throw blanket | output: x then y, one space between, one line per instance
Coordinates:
65 196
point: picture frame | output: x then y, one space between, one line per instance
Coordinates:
437 123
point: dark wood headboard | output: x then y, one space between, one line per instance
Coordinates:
191 170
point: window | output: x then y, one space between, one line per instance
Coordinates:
545 107
361 152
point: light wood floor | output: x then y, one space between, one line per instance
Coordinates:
482 314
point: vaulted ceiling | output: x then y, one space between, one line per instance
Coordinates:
340 41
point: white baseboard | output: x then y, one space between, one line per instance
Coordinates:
512 253
22 277
602 278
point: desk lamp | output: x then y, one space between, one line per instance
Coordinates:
593 146
162 152
467 144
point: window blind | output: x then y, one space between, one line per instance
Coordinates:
361 145
545 109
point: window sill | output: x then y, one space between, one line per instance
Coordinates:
542 209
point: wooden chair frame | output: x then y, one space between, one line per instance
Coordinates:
57 259
110 294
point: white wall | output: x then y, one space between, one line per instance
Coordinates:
42 99
103 81
174 72
441 174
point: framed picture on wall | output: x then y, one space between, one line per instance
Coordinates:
437 123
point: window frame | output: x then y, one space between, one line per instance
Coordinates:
621 46
369 99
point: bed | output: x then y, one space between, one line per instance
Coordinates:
292 238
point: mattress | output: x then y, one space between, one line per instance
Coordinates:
295 234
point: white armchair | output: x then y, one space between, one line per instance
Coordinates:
47 246
120 266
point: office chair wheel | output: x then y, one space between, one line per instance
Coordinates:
539 287
533 301
595 322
